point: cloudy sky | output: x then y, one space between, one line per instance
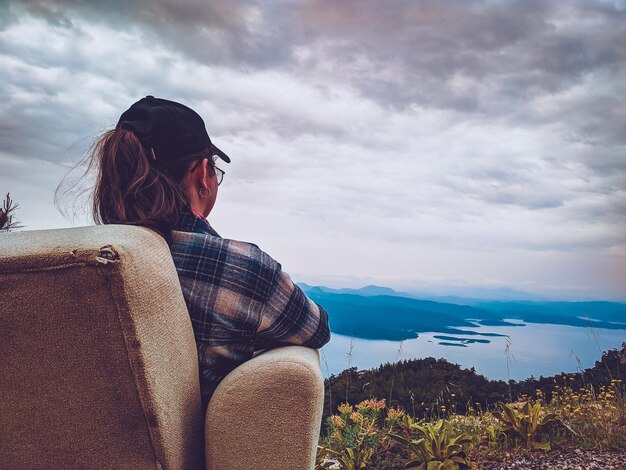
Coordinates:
408 144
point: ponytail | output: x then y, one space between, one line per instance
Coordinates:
130 189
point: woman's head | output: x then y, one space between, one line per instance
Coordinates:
157 160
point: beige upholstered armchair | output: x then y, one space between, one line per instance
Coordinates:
98 366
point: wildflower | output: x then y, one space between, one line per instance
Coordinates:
379 405
337 421
356 417
345 408
371 404
394 414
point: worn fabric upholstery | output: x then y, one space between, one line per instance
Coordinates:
98 363
267 413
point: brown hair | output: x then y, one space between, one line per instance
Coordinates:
131 189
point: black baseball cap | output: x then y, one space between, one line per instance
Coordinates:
168 129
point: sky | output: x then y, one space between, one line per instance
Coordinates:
418 145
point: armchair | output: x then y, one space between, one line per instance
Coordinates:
98 365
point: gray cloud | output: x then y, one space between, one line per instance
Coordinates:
469 125
488 58
217 32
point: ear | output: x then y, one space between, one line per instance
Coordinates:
201 174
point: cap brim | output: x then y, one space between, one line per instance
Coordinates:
219 153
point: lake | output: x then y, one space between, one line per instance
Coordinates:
535 349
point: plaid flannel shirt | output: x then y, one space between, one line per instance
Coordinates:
239 301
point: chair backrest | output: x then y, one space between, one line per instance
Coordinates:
98 364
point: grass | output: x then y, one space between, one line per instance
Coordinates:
592 419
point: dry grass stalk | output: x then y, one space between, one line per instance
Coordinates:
7 212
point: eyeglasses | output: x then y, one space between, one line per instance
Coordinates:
219 173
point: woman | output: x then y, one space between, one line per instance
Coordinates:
157 169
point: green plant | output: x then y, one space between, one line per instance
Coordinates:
493 435
437 448
527 424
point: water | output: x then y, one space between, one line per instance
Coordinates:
536 349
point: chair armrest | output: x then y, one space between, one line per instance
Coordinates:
267 413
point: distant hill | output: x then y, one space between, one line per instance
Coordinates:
366 291
442 293
534 311
375 312
419 384
392 318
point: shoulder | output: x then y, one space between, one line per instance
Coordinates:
236 265
188 245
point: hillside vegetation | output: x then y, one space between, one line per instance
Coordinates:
428 413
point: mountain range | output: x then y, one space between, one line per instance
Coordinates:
375 312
